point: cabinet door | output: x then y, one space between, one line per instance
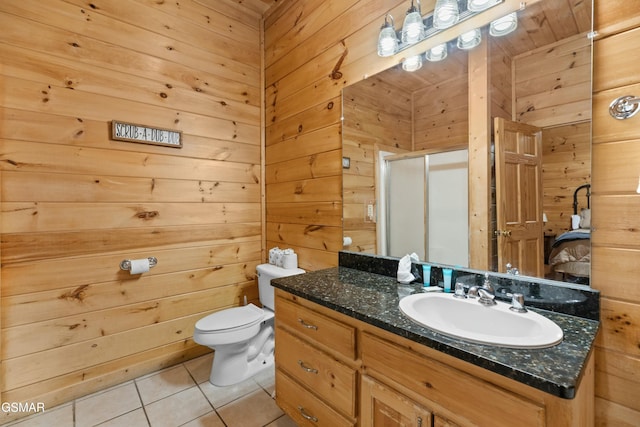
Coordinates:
382 406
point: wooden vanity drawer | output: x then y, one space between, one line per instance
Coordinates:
333 381
303 407
476 400
317 327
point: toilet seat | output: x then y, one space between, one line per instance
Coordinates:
230 319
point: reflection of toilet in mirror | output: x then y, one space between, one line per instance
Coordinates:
242 337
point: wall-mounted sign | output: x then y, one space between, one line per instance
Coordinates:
146 135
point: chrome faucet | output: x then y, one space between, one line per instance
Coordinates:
486 294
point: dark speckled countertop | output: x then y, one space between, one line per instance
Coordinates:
373 298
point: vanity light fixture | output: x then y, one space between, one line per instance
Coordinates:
387 40
437 53
445 14
412 63
503 26
413 27
469 40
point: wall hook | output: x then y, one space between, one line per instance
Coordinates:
624 107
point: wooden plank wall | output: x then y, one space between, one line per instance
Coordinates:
313 48
616 241
375 114
75 203
552 84
566 164
552 90
441 111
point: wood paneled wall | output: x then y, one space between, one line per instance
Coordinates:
441 111
615 241
313 48
376 115
75 203
552 90
566 164
552 84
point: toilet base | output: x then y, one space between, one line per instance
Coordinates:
236 362
226 377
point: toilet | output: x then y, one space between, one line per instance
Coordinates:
242 337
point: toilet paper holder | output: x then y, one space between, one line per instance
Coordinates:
125 264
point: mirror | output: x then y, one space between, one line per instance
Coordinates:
539 75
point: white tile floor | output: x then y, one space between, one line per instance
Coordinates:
176 396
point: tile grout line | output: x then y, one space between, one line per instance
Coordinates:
144 407
195 381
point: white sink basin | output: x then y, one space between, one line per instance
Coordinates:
469 320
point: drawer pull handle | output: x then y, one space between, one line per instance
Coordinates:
307 325
307 416
306 368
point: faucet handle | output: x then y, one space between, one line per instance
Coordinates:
517 303
459 293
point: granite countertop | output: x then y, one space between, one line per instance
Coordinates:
374 299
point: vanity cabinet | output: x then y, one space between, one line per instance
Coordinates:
316 376
334 370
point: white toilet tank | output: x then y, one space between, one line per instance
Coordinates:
266 272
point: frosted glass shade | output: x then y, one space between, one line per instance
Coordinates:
445 14
387 41
504 25
478 5
412 28
469 40
412 63
437 53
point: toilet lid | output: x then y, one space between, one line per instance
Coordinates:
230 318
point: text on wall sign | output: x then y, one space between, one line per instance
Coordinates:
145 134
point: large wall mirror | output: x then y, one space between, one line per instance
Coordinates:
539 116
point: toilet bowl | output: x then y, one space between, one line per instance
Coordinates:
242 337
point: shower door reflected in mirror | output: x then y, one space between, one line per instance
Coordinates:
423 206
